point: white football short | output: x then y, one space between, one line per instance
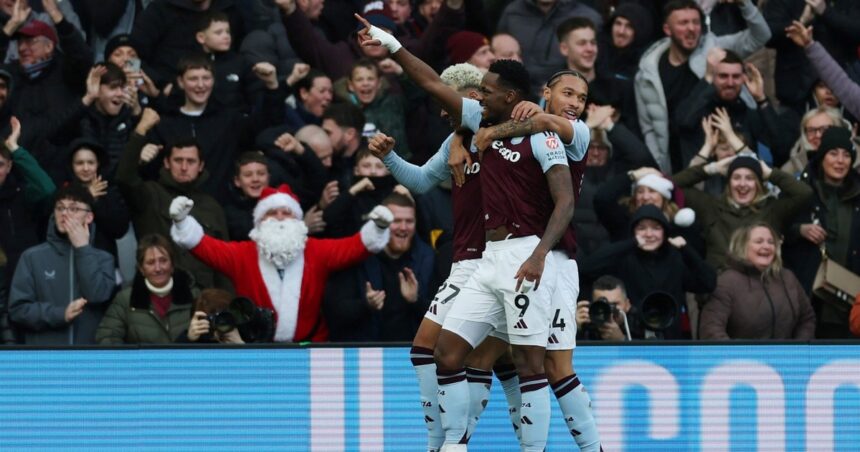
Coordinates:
448 291
490 297
562 332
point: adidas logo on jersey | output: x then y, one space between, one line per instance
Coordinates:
521 325
552 339
433 309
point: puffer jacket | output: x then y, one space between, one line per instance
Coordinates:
650 98
385 112
747 306
130 319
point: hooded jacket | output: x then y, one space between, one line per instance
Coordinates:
746 305
130 319
165 32
623 63
650 98
52 275
667 269
535 31
149 204
110 212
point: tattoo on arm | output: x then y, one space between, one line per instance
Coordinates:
512 129
561 189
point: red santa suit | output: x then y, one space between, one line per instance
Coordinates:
296 297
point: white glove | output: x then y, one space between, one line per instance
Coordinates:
180 207
387 40
381 217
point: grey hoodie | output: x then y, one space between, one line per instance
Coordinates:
51 275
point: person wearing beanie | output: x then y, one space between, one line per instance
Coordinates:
280 267
470 47
621 196
120 51
653 260
745 199
830 222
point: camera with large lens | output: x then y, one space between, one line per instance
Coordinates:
601 311
659 310
254 324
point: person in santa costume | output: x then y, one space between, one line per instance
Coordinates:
280 268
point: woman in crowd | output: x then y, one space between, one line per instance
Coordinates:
622 195
812 127
157 306
756 298
651 261
86 158
831 223
744 201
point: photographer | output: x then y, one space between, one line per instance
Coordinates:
219 318
611 290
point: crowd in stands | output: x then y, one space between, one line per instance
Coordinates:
722 167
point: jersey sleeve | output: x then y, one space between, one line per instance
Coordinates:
420 179
578 147
548 150
471 114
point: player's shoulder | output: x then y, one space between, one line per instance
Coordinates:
546 140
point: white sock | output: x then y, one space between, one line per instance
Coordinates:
425 370
575 405
534 412
507 375
480 382
453 404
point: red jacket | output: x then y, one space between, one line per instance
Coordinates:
240 262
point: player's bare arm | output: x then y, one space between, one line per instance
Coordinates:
422 74
541 122
561 189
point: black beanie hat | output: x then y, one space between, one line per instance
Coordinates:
651 212
750 163
116 42
834 138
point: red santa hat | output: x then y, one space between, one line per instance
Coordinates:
273 198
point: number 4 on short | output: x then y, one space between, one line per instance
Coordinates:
558 322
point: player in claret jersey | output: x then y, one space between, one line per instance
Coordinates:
468 244
565 95
527 198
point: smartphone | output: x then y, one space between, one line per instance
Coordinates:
133 64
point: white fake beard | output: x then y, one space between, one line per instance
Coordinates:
280 241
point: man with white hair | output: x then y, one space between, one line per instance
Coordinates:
280 268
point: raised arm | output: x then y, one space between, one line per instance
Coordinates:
422 74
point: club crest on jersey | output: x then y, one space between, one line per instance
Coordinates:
552 142
507 154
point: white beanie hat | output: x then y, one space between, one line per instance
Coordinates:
272 198
657 183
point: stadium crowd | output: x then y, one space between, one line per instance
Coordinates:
722 167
